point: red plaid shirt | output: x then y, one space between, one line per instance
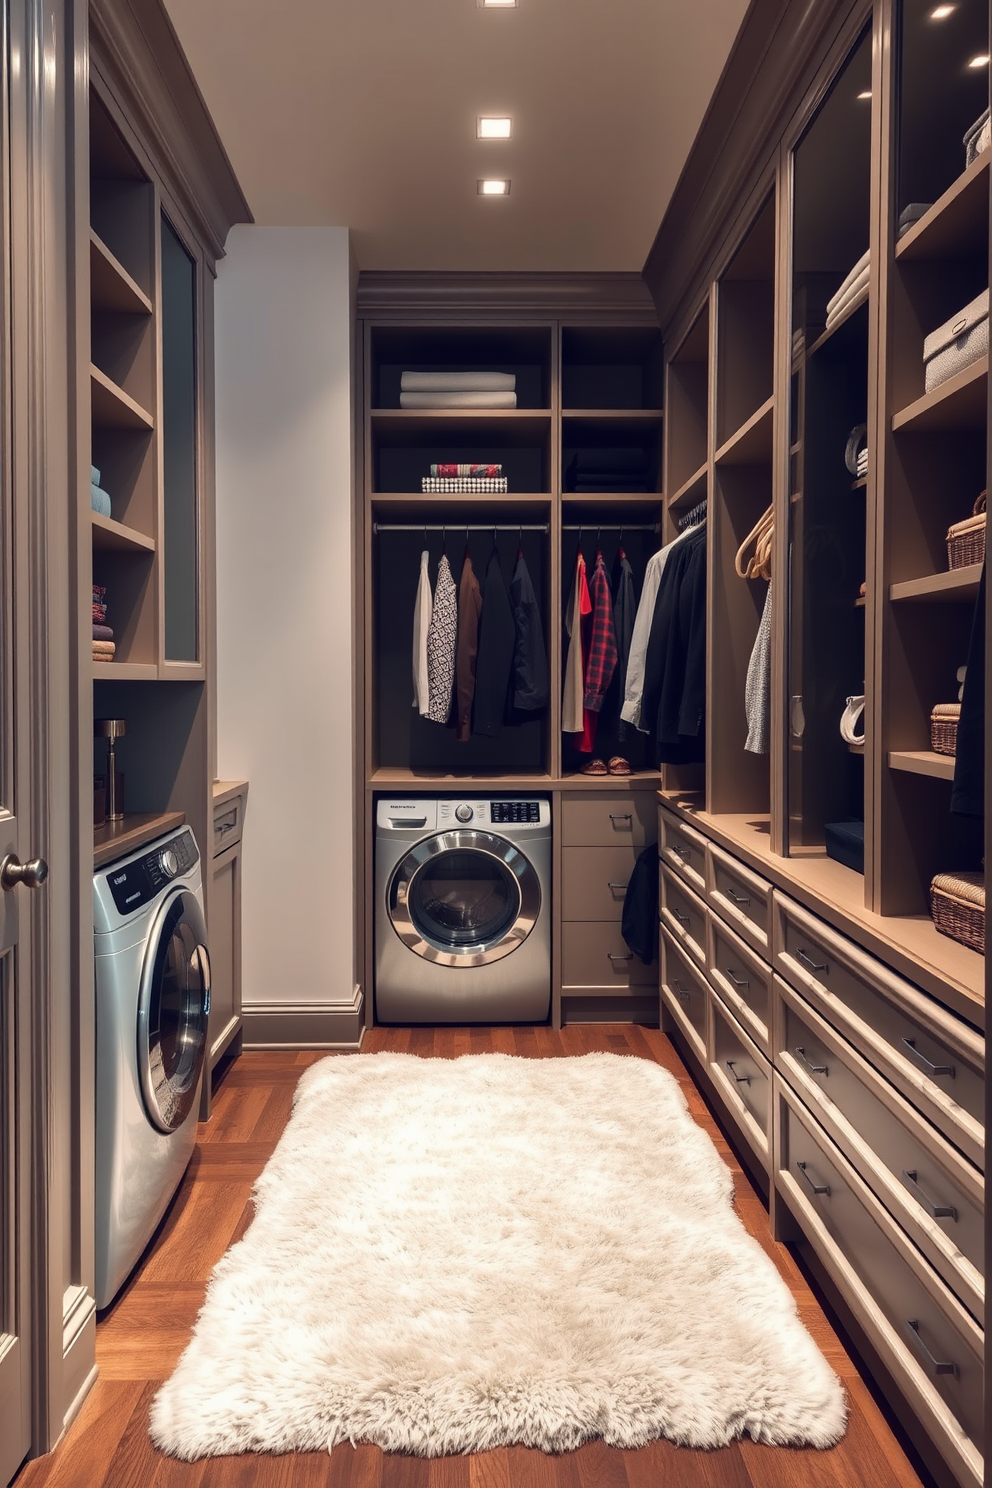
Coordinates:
602 660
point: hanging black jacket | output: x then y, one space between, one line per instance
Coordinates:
497 637
530 658
639 925
673 703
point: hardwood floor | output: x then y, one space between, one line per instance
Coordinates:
140 1338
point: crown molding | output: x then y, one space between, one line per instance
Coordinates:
135 49
439 296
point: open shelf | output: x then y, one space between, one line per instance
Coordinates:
615 417
694 490
113 408
124 671
411 501
956 226
504 422
390 776
959 403
839 323
647 501
116 839
752 442
111 536
922 762
957 586
111 287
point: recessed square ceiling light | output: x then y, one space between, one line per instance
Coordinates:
495 4
941 12
494 188
494 128
980 61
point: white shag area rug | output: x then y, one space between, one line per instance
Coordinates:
453 1255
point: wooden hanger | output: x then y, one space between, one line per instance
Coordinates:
759 566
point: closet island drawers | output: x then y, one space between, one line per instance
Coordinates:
742 898
686 994
931 1057
742 979
683 850
933 1192
930 1343
684 916
599 820
743 1076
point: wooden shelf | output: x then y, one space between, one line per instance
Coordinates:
646 499
957 225
752 442
860 483
922 762
636 780
391 777
406 501
113 408
114 537
957 586
124 671
619 416
692 491
509 426
828 335
117 839
111 286
958 403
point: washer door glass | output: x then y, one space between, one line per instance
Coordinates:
464 898
173 1011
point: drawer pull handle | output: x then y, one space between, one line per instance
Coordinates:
614 957
931 1069
739 898
741 1079
617 886
226 827
682 919
682 852
736 980
816 1069
939 1366
808 961
936 1211
620 816
818 1188
680 991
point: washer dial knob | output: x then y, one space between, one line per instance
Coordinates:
464 812
170 863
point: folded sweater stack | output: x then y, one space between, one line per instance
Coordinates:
852 288
607 470
103 636
458 390
99 500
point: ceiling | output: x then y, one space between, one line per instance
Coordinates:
362 114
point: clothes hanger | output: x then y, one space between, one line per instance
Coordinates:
520 541
759 565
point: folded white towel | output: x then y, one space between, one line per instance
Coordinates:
844 303
860 268
457 382
458 400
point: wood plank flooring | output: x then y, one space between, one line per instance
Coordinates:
140 1338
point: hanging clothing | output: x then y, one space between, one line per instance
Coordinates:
497 637
601 661
758 684
624 609
639 922
466 647
634 686
968 788
530 680
442 636
421 625
675 667
579 605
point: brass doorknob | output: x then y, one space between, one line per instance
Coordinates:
13 872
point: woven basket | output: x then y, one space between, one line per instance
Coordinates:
944 728
957 904
966 540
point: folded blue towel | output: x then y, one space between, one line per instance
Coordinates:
99 500
94 475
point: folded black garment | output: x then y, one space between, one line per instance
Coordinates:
102 633
639 924
608 460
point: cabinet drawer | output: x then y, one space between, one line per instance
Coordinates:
593 880
933 1058
229 816
933 1192
932 1345
742 1075
682 849
742 898
686 994
742 979
684 915
594 820
595 954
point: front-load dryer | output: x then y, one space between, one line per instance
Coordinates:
152 1004
463 910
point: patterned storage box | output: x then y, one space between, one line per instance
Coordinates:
944 728
958 342
957 904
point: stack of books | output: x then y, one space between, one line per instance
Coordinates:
458 390
464 480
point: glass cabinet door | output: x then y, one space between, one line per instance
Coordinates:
179 429
829 454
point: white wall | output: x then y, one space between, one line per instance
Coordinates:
284 604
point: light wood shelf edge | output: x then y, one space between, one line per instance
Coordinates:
687 488
956 585
131 289
117 536
922 762
925 224
761 416
104 387
945 392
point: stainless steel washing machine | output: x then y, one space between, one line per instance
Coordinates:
463 910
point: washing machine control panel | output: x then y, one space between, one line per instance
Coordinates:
515 811
135 883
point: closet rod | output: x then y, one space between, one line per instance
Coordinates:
455 527
611 527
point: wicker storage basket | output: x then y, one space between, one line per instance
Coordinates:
944 728
957 904
966 540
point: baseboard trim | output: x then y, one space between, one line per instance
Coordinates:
309 1025
79 1369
